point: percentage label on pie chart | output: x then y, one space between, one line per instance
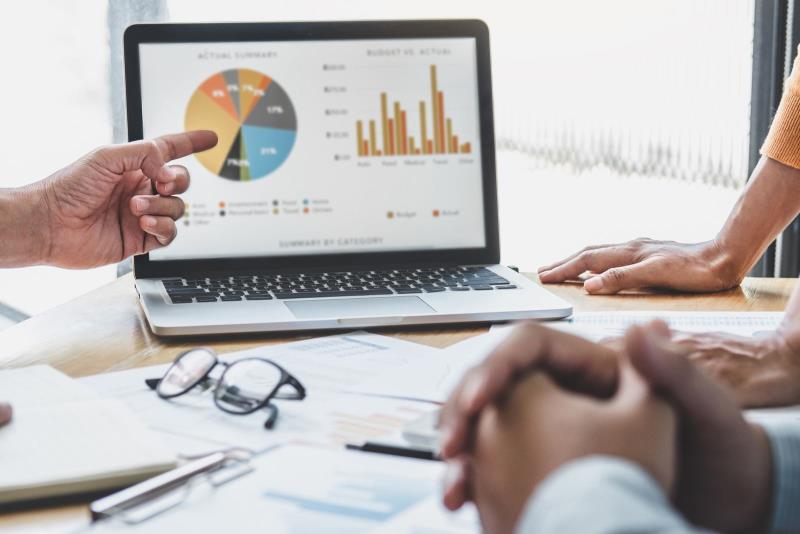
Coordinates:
253 118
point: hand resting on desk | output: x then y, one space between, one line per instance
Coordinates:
643 263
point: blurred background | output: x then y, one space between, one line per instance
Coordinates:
614 119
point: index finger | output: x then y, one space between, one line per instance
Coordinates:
154 155
174 146
596 260
552 266
570 360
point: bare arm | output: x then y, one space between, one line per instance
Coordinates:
768 204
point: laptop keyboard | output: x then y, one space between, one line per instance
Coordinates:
333 284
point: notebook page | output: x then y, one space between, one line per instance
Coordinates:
64 438
40 385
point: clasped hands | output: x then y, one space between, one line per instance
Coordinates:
544 398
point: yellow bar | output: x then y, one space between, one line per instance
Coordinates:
435 100
385 123
360 134
423 127
449 137
398 130
373 147
411 145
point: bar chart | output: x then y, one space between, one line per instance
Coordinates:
391 134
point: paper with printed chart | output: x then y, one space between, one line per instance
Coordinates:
326 366
296 489
435 378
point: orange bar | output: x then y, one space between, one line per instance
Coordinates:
440 132
360 134
398 138
390 124
372 142
454 145
429 147
385 123
466 148
416 151
435 108
423 127
365 147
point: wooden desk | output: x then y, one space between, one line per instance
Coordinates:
105 330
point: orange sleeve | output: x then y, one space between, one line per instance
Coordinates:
783 140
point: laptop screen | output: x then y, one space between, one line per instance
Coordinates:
325 147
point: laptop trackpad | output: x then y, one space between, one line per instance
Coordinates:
358 307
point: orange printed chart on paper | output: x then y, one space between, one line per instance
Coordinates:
254 119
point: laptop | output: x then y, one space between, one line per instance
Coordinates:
353 184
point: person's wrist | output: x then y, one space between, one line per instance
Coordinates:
28 232
724 263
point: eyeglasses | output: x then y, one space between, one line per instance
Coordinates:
245 386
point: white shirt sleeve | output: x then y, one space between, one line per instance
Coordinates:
601 495
784 438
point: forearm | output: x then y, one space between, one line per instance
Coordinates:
768 204
23 227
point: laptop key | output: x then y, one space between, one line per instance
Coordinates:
258 297
482 288
209 298
459 289
181 300
406 291
507 287
184 290
230 298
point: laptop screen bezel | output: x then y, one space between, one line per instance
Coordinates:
319 31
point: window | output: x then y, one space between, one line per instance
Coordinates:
609 115
55 108
614 119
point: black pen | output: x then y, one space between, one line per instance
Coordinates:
394 450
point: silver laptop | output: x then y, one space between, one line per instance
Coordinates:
353 184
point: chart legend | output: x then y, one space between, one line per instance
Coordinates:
393 130
253 118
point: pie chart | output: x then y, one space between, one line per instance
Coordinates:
253 118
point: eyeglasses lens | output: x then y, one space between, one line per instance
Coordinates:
246 384
186 372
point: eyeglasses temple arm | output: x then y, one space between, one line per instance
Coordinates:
152 383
